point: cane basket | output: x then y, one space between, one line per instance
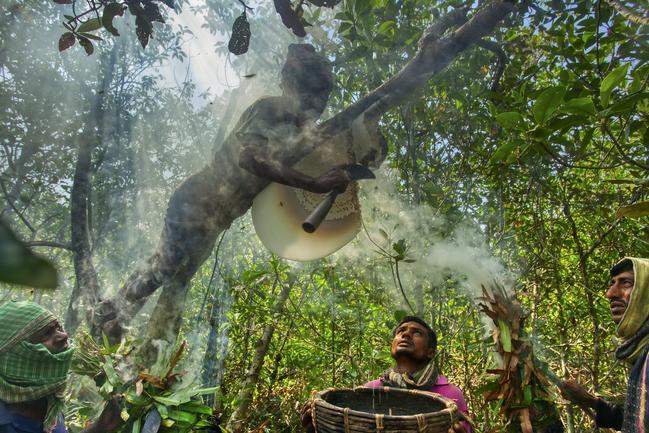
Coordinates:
383 409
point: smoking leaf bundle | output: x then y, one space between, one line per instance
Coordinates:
519 385
151 401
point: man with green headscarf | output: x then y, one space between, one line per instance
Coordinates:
35 356
628 295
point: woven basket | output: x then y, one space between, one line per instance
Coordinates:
384 409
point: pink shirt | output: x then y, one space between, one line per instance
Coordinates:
443 388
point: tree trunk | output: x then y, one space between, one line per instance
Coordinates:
217 344
86 288
208 202
235 424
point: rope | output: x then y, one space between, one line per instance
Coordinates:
346 420
379 422
421 422
313 397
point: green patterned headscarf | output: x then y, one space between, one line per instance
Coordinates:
631 331
29 371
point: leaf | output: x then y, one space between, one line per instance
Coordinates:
610 82
90 26
290 18
509 119
186 417
636 210
505 336
143 30
205 391
196 407
152 12
547 102
137 426
399 315
86 44
91 36
66 40
152 421
579 106
503 151
63 2
168 401
624 105
386 28
110 11
18 265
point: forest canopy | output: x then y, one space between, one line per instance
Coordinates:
519 162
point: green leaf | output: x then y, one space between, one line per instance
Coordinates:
386 28
196 407
509 119
583 106
111 374
91 36
636 210
137 426
18 265
610 82
624 105
505 336
186 417
547 102
86 44
503 151
399 315
168 401
90 25
110 11
205 391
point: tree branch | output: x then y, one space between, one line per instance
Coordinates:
49 244
433 55
500 63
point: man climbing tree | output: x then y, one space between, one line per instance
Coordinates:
209 201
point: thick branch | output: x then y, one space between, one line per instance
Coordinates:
434 54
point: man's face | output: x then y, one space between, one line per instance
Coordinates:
619 293
411 340
53 337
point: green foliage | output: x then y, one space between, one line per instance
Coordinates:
542 166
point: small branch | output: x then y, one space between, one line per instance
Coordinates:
621 151
245 6
500 63
49 244
15 209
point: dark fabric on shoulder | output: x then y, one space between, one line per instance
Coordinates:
11 423
609 415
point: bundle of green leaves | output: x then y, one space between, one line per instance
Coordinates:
152 400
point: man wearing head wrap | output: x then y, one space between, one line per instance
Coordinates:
35 356
414 345
628 295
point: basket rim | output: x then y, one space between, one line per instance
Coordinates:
450 406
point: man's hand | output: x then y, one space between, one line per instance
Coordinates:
335 179
577 394
109 420
306 417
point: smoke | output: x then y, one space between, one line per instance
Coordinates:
436 249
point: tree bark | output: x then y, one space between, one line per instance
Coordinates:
86 288
197 213
235 424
